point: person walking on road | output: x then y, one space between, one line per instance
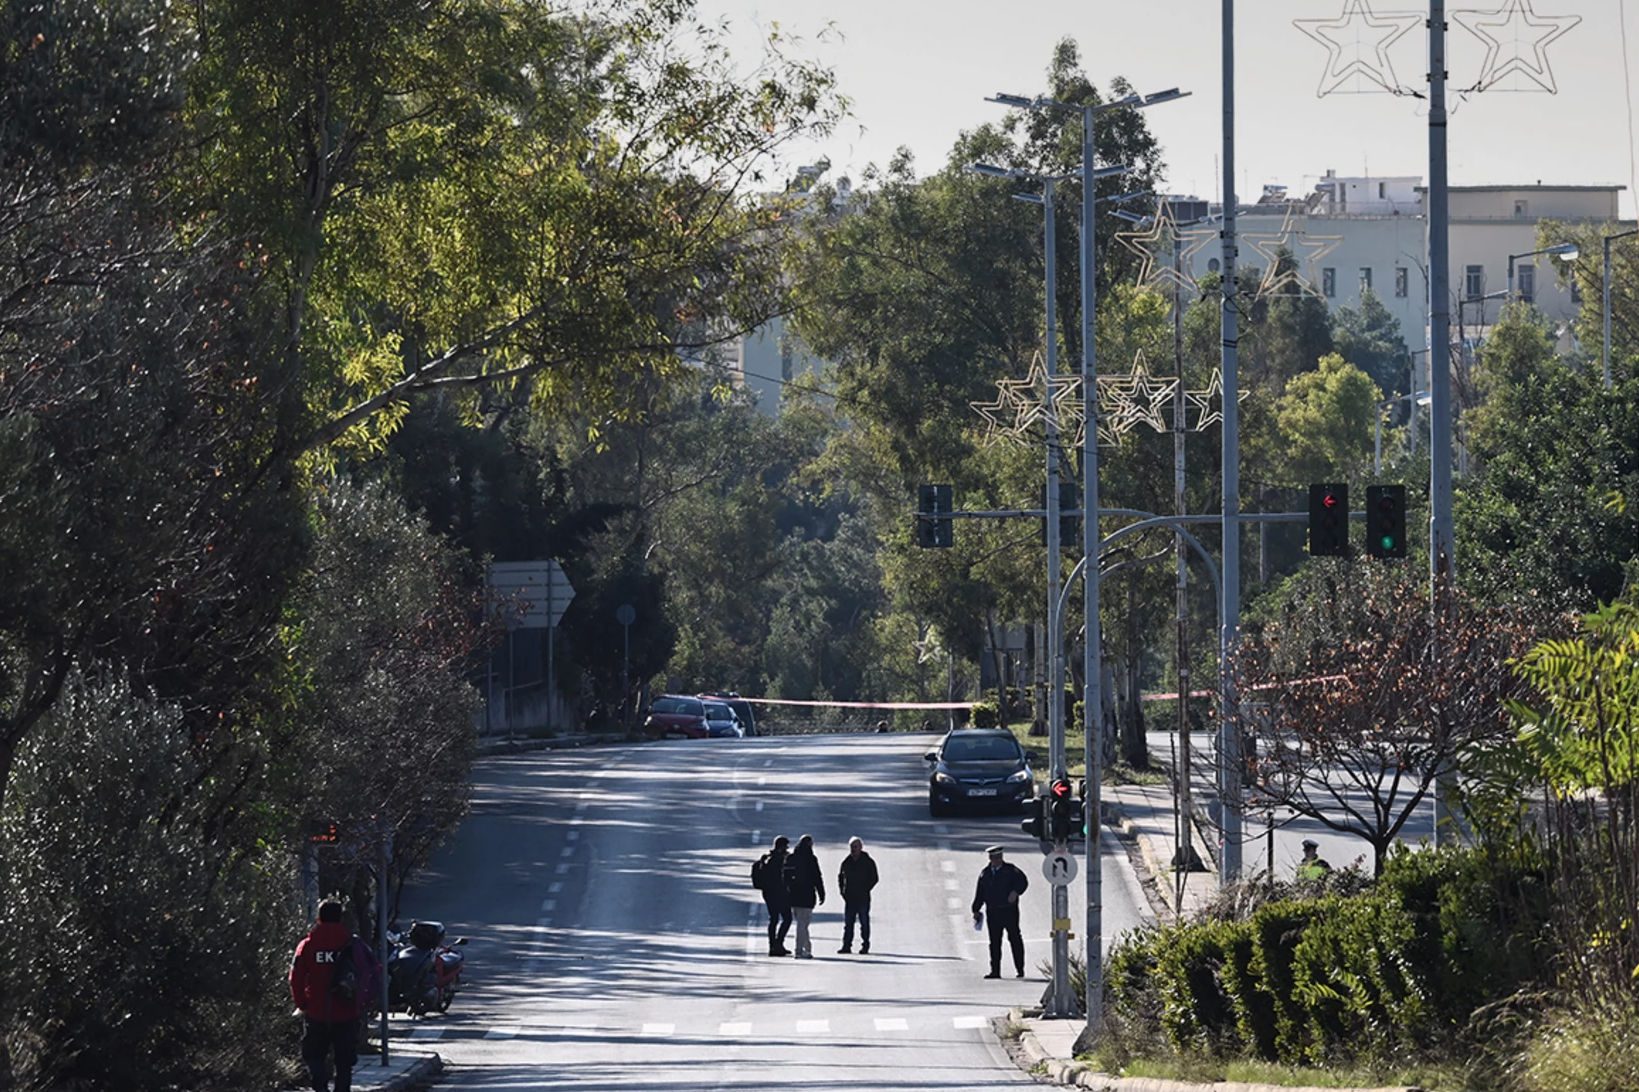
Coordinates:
996 899
805 886
332 975
768 876
855 879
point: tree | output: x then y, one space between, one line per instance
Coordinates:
1323 425
1370 339
1361 698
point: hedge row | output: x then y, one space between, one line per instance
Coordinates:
1312 980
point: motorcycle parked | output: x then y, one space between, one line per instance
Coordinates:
423 972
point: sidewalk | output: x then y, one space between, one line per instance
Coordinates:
1145 814
408 1070
1047 1049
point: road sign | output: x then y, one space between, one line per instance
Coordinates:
1059 867
533 594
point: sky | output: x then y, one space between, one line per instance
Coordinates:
918 71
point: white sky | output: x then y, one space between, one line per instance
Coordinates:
918 71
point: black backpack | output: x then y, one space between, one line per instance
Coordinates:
344 975
758 867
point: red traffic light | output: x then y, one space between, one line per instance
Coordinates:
1329 500
324 834
1060 789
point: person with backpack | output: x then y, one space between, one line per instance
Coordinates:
855 879
331 976
768 876
805 888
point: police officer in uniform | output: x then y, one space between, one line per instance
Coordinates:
996 898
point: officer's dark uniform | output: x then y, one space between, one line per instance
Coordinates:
996 883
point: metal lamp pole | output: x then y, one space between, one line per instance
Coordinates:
1566 251
1229 818
1605 293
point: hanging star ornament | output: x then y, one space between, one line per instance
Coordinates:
1154 246
1305 249
1208 403
1516 41
1357 46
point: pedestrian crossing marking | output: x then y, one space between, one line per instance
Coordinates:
501 1033
659 1029
426 1033
968 1022
892 1023
734 1028
947 866
813 1027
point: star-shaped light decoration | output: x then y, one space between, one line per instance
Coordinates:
1357 45
1516 43
1306 250
1209 403
1154 246
1143 397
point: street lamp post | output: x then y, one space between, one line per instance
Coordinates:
1092 696
1564 251
1605 305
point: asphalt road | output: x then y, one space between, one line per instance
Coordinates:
616 942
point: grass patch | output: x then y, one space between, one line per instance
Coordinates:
1434 1077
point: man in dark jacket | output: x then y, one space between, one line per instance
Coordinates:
330 978
805 886
855 880
997 898
769 875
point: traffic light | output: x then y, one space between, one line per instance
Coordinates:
323 834
933 508
1386 520
1060 803
1329 520
1035 825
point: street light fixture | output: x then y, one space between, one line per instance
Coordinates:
1605 305
1565 252
1418 398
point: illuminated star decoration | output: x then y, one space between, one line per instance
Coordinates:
1516 43
1019 403
1124 402
1357 44
1154 246
1209 403
1290 238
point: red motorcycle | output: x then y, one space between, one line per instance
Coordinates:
423 973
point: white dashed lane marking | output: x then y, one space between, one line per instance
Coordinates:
892 1023
556 886
734 1028
947 866
573 835
548 905
567 851
501 1033
562 869
659 1029
813 1027
969 1021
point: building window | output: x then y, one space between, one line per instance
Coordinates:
1527 275
1328 282
1382 190
1365 279
1474 282
1522 209
1402 282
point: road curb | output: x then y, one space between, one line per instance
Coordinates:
1073 1074
423 1074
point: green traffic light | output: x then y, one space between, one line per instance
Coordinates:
1388 542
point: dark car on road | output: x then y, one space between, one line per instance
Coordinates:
978 768
677 716
721 723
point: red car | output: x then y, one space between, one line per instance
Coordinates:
677 716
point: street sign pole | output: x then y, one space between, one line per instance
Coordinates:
381 931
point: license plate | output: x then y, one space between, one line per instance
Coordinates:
981 792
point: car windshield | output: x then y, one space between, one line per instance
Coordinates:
718 711
981 749
685 706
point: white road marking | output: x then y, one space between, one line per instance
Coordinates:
567 851
659 1029
947 866
580 805
953 903
556 886
501 1033
950 885
425 1032
760 803
761 781
575 821
756 837
573 835
942 828
968 1021
562 869
813 1027
944 847
548 905
891 1023
734 1028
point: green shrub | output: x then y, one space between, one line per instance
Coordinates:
1586 1047
1254 1007
1354 973
1276 931
1196 1011
985 714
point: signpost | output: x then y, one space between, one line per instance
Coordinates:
1060 866
530 595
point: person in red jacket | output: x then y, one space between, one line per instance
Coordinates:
331 980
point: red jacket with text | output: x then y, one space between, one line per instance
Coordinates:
317 957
